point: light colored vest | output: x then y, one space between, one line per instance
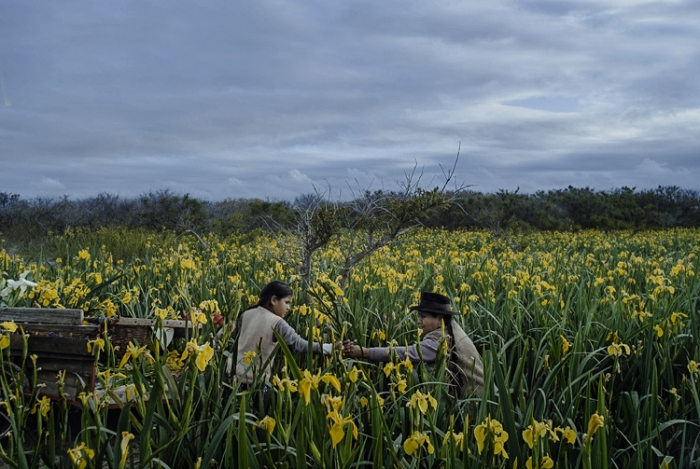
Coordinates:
464 362
256 336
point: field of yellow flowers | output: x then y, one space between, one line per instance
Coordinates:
590 338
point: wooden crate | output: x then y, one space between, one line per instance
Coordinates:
59 340
123 330
59 337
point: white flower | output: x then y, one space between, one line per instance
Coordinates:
22 284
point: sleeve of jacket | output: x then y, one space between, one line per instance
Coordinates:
428 348
296 342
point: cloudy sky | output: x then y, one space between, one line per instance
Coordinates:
269 99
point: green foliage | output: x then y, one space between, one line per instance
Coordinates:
574 209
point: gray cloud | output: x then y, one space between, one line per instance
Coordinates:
271 99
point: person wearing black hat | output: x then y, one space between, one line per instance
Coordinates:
434 311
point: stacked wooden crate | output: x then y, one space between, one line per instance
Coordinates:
59 340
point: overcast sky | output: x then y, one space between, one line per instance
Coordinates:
267 99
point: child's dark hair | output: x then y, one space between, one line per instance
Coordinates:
274 288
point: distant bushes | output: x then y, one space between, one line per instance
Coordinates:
28 220
573 209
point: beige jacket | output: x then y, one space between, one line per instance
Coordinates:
464 362
256 336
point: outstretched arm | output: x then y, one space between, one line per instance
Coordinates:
428 348
297 343
351 350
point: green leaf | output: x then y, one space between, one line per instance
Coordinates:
242 437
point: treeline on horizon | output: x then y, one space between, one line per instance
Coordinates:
570 209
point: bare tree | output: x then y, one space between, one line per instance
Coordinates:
378 218
315 224
372 220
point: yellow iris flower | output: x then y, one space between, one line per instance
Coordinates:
388 368
616 349
203 353
197 317
494 429
337 430
107 375
594 423
85 398
568 434
133 352
124 447
420 400
284 384
333 403
415 441
401 385
309 382
547 463
161 313
43 405
97 343
536 431
9 326
407 364
457 437
267 423
565 345
248 357
78 455
354 374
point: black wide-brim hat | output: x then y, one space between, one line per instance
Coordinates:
434 303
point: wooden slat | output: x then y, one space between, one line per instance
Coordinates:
174 323
42 315
84 368
51 345
89 330
182 328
